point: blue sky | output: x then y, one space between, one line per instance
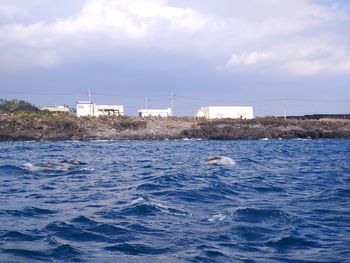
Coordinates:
225 52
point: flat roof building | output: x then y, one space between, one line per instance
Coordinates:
86 108
221 112
57 109
155 112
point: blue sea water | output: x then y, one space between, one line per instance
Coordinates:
158 201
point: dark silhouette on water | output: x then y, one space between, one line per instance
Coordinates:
63 165
220 160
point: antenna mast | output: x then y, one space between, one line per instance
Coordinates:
172 104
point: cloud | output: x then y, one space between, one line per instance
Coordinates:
300 56
295 37
7 10
102 24
252 58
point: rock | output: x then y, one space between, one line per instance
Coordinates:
90 128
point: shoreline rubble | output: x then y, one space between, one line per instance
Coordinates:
25 128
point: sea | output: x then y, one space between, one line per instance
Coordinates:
159 201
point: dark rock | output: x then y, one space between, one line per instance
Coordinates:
37 127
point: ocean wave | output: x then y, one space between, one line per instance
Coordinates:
142 206
141 209
15 236
29 212
266 189
110 230
61 252
65 252
290 242
25 254
136 249
72 232
253 215
149 187
155 201
217 217
12 170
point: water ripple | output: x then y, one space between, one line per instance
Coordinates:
158 201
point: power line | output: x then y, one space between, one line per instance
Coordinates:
128 95
313 100
264 100
227 101
42 93
177 96
117 95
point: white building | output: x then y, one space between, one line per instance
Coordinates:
221 112
57 109
155 112
109 110
86 108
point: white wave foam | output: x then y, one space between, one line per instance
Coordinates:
138 200
217 217
264 139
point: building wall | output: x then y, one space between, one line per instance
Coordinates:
90 109
218 112
155 112
58 109
203 112
108 110
84 109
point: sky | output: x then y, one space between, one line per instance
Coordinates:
274 55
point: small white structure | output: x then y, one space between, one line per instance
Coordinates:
221 112
57 109
109 110
155 112
86 108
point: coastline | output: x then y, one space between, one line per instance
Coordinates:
57 128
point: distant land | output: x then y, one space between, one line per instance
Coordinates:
20 120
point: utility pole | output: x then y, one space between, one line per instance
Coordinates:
285 108
91 107
171 104
89 95
147 103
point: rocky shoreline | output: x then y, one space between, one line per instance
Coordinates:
23 127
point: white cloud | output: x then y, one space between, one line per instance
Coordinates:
8 10
305 67
25 59
289 36
252 58
301 56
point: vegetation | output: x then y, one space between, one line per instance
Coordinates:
22 110
16 106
